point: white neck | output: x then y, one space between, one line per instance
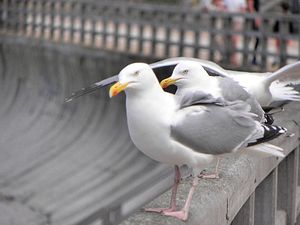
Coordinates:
205 84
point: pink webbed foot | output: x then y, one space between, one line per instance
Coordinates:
160 210
184 212
181 215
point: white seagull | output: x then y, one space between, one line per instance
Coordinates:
190 130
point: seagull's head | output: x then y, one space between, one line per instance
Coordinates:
185 73
134 77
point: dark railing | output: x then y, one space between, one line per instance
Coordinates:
159 31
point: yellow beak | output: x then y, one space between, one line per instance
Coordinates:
167 82
117 88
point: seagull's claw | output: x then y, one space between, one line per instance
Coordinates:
209 176
181 215
214 175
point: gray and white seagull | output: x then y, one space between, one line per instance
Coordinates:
188 130
190 75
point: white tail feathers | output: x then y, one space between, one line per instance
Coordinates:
269 149
281 92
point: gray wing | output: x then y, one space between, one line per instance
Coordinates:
289 74
189 98
210 67
232 91
214 129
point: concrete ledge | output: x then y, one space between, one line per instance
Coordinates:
217 202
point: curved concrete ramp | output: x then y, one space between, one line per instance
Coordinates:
67 163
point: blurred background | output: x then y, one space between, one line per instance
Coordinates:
75 163
242 34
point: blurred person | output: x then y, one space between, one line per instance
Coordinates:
218 41
219 5
285 10
213 5
253 7
207 5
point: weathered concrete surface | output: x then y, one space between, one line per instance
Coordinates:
26 215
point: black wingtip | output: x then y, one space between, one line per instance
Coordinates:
69 99
91 88
80 93
270 132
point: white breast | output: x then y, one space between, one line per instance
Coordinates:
149 128
149 125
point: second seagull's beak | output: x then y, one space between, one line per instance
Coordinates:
167 82
117 88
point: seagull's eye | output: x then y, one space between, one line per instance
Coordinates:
185 71
136 73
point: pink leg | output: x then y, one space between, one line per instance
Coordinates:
214 175
173 205
184 212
